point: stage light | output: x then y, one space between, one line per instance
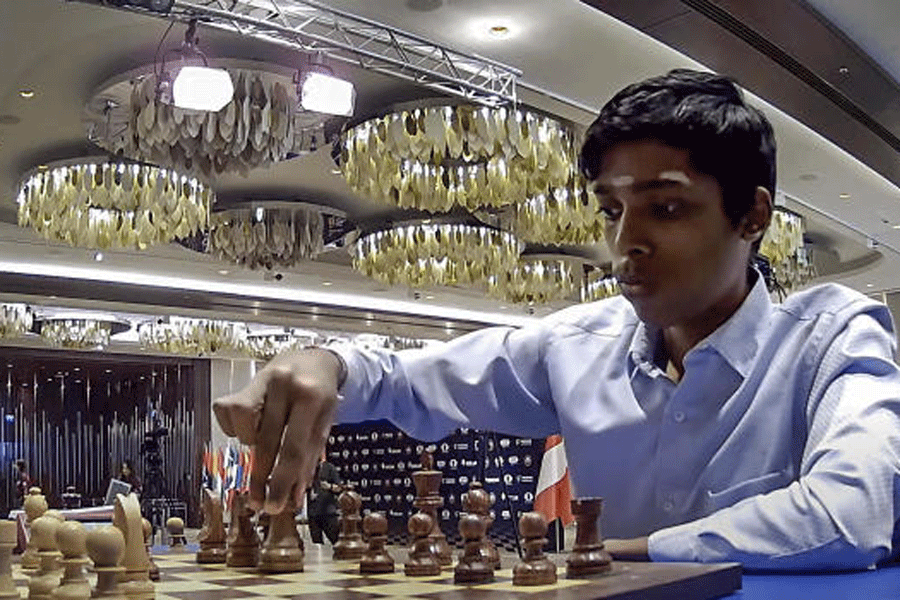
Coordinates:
325 93
202 88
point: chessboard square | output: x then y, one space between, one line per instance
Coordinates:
508 586
311 576
182 585
211 574
244 581
414 587
292 589
165 597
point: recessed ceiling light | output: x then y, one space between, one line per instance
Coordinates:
223 271
499 31
42 167
503 307
808 177
98 256
844 195
326 283
429 297
336 172
870 285
26 93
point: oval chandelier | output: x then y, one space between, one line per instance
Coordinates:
534 280
785 250
424 254
15 320
79 332
101 204
567 215
195 337
439 157
268 343
266 237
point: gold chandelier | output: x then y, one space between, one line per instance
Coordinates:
567 215
79 332
534 280
266 344
266 237
100 204
195 337
15 320
599 286
439 157
784 247
424 254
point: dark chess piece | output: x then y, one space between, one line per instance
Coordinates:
422 560
376 559
588 556
153 568
535 568
212 534
349 545
175 529
282 550
473 566
243 542
428 500
478 501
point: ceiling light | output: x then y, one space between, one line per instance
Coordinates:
326 283
15 320
499 31
897 226
844 196
98 256
26 93
325 93
870 285
534 280
202 88
223 271
79 332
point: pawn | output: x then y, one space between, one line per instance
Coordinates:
46 578
105 546
422 560
35 506
535 568
376 559
282 550
242 547
8 540
478 501
212 534
153 570
71 538
588 556
473 566
175 529
349 545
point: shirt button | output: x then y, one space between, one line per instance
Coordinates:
678 416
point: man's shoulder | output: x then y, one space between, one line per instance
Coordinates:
828 299
609 317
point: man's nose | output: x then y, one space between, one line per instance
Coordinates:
631 235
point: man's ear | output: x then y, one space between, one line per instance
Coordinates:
756 221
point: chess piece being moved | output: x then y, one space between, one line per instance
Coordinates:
46 578
376 559
421 561
136 582
473 566
212 534
349 545
478 501
535 568
71 538
428 500
35 506
282 550
588 556
8 540
105 545
175 529
153 567
243 541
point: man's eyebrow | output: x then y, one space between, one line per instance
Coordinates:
640 186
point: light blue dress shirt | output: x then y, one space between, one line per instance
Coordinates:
779 448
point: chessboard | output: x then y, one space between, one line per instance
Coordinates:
181 578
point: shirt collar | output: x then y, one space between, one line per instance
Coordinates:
736 340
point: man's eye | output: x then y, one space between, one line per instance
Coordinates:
669 209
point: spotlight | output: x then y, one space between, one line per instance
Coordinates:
196 86
321 91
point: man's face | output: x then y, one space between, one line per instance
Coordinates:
675 253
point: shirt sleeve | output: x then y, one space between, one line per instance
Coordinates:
841 511
493 379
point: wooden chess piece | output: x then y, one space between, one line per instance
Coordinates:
243 541
535 568
46 578
212 534
478 501
473 566
428 500
105 545
35 506
175 529
422 560
71 538
282 550
153 571
136 584
8 541
376 559
588 556
349 545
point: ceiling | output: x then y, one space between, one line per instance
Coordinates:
572 58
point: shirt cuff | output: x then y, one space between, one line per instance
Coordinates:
675 544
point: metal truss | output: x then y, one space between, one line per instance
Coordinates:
311 27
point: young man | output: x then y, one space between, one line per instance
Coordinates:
716 425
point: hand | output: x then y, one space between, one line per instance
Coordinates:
634 549
285 413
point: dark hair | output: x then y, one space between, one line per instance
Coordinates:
703 113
